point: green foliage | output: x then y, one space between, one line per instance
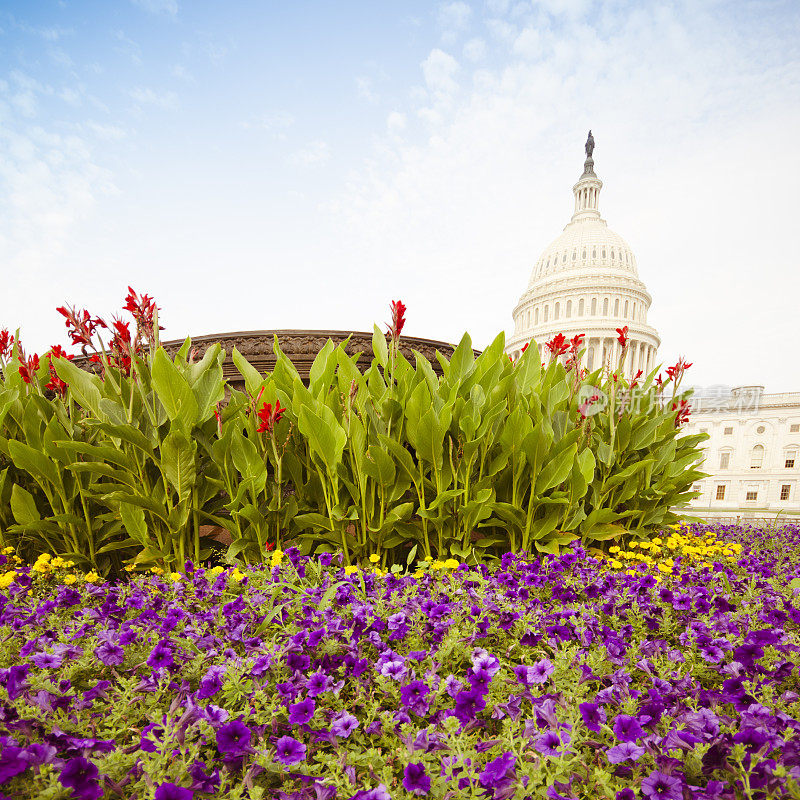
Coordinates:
374 457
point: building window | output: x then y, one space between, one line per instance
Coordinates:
720 492
564 258
594 252
752 494
790 457
728 431
557 311
574 254
568 311
757 457
794 428
786 490
605 307
604 252
584 254
703 430
594 306
546 313
724 460
760 429
536 315
616 307
625 313
580 307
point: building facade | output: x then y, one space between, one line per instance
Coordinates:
752 455
586 281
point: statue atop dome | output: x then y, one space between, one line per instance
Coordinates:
589 145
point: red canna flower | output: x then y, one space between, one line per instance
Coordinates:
28 367
269 417
676 372
398 310
143 309
623 337
682 407
558 345
81 325
635 381
6 344
219 419
659 381
57 351
525 346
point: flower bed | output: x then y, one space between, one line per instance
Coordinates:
662 672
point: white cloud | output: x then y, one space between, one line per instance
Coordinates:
144 96
168 7
475 49
313 153
439 70
365 89
396 122
275 121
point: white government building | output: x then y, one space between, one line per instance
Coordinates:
586 281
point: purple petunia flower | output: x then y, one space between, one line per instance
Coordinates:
12 762
343 724
593 715
210 683
302 712
658 786
625 794
171 791
499 773
541 671
627 751
289 751
233 739
317 683
550 742
627 729
380 792
80 775
468 704
47 660
416 780
161 656
201 780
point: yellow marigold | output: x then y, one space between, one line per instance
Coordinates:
418 574
7 579
351 569
374 558
238 575
130 567
616 564
69 579
451 563
664 568
216 570
68 564
633 544
276 558
438 564
42 567
44 557
657 541
614 549
8 550
156 570
176 576
644 545
91 577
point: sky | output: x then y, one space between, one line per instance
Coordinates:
258 165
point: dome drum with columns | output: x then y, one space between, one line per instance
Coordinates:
586 282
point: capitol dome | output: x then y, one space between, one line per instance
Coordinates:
586 281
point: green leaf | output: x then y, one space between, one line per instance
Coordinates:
83 386
173 391
556 470
379 346
324 434
252 377
178 462
34 462
23 506
133 519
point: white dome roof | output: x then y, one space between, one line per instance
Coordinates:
585 243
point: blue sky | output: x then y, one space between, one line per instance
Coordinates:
277 165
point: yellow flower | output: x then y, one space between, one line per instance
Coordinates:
57 562
176 576
44 557
350 570
69 564
657 541
374 558
156 570
276 558
130 567
451 563
91 577
438 564
7 579
238 575
8 550
616 564
664 568
418 574
216 570
614 549
633 544
69 579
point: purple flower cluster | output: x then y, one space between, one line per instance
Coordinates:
532 679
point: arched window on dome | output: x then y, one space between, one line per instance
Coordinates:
536 315
574 254
568 311
594 306
584 254
604 252
527 319
625 313
594 252
556 311
757 457
546 313
633 311
612 253
564 258
605 306
580 307
616 307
